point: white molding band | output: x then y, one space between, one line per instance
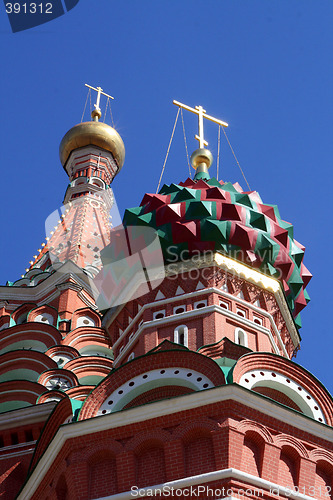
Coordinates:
203 479
5 455
168 407
26 416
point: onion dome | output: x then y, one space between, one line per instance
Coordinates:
93 133
208 215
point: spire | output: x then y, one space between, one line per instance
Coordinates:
92 153
201 158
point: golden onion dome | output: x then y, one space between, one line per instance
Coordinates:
92 133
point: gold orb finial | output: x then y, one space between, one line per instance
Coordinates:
96 114
201 160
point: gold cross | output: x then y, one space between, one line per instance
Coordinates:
198 110
99 91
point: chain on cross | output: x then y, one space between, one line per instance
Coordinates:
96 114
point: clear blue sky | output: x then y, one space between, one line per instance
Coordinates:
265 67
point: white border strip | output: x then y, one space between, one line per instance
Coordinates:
203 479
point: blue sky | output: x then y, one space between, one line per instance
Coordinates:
265 67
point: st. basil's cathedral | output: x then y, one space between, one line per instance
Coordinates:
156 359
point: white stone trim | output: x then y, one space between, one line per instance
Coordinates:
180 306
81 319
240 333
90 365
49 319
152 379
202 301
21 391
32 330
98 336
5 455
19 367
26 416
161 311
276 380
68 274
203 479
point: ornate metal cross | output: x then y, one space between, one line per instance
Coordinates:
99 91
198 110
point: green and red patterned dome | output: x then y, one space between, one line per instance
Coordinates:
209 215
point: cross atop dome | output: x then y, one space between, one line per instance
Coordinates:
97 113
202 158
198 110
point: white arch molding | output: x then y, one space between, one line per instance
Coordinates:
293 390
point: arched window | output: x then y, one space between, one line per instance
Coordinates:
241 337
200 304
159 314
181 335
241 312
257 320
179 309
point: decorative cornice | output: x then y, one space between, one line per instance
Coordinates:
26 416
69 285
41 292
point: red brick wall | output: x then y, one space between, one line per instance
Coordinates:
195 441
102 475
150 464
199 454
251 458
287 475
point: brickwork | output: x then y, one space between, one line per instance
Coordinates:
198 441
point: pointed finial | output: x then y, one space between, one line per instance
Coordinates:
202 158
97 113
